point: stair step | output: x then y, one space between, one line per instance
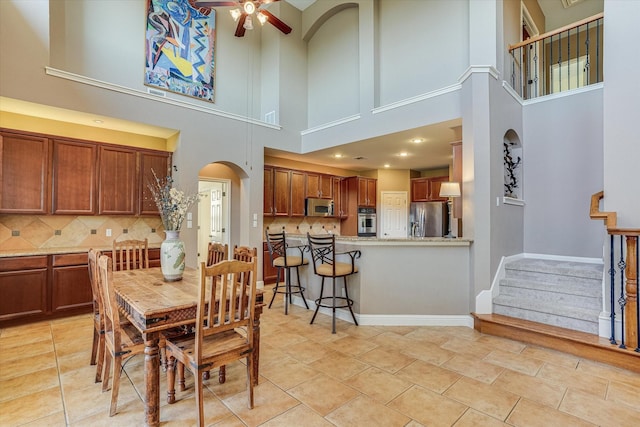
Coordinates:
565 295
581 270
579 289
576 318
581 344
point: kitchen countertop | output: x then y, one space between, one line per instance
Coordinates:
406 241
54 251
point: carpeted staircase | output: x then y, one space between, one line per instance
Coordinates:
559 293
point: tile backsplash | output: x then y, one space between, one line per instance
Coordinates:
302 225
23 232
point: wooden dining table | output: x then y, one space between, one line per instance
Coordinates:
153 306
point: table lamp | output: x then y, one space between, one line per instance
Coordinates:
450 190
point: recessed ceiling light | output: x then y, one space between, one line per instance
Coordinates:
387 165
416 140
98 121
337 156
404 154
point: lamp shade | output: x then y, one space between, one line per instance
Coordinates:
450 189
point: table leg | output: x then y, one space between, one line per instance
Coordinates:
256 344
152 379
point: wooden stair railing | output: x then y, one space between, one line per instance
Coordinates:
628 262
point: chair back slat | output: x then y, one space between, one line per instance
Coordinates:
222 304
130 254
110 305
93 256
217 252
246 254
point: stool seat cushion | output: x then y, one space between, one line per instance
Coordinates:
342 269
292 261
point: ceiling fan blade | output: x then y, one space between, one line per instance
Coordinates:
276 22
268 1
240 28
204 3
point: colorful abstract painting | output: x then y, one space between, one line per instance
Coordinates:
180 42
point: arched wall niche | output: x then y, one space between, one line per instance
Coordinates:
513 164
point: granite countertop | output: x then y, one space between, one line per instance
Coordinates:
416 241
54 251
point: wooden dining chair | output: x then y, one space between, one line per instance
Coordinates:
130 254
97 350
217 252
245 253
224 329
122 340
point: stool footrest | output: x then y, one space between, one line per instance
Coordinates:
348 302
294 290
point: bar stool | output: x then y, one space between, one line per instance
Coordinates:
280 259
323 254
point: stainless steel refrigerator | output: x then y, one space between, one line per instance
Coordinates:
428 219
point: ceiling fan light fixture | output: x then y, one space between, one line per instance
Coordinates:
261 17
248 23
235 14
249 7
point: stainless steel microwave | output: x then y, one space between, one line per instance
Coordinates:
319 207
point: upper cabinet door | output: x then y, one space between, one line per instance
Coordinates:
282 192
319 185
117 183
74 177
268 191
297 193
160 163
24 174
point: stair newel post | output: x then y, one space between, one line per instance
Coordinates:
631 314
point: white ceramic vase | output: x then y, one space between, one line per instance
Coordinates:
172 256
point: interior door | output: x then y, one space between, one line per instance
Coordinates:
394 215
213 214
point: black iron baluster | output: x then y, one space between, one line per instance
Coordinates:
550 89
598 51
535 69
587 66
568 59
622 300
612 286
578 58
560 62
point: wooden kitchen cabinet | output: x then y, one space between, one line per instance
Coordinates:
117 183
269 272
70 283
23 286
427 189
24 174
297 193
150 162
319 185
366 192
277 191
74 177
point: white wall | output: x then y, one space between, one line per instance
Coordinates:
621 112
422 46
333 73
563 167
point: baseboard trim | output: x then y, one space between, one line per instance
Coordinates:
392 319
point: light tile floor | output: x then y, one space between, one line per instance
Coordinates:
361 376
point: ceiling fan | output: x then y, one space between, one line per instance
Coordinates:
244 12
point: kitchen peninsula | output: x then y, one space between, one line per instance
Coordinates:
412 281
